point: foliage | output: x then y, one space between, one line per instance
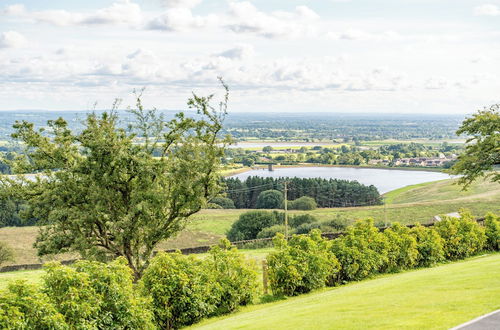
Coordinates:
492 231
300 219
270 199
104 195
306 228
326 192
303 264
302 203
462 236
234 279
362 251
429 246
270 232
224 202
23 306
402 250
482 152
338 223
6 253
251 223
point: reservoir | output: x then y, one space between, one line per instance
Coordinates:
384 179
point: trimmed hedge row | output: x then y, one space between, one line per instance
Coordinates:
364 251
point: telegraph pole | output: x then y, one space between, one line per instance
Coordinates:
286 212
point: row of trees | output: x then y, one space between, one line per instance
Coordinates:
326 192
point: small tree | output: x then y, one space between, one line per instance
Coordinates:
107 191
270 199
6 253
251 223
482 153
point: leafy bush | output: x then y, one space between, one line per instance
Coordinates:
462 236
251 223
212 206
429 246
302 203
303 264
180 288
234 278
298 220
23 306
306 228
6 253
361 252
492 231
270 232
338 223
224 202
402 250
270 199
97 295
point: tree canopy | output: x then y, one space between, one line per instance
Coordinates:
107 191
482 153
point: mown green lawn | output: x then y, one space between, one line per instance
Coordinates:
432 298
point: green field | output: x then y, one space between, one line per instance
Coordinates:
432 298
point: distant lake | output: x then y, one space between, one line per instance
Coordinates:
384 180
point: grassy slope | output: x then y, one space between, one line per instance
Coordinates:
433 298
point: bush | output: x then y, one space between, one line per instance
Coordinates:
462 236
223 202
303 264
302 203
233 276
361 252
270 232
401 248
6 253
270 199
298 220
492 231
306 228
180 289
97 295
212 206
338 223
429 246
23 306
251 223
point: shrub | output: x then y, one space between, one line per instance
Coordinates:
233 276
180 289
462 236
212 206
303 264
492 231
223 202
361 252
401 248
429 246
23 306
6 253
270 199
306 228
298 220
270 232
302 203
251 223
97 295
338 223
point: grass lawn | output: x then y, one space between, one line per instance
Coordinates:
31 276
432 298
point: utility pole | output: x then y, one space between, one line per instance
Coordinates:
286 211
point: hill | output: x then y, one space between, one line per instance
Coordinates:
432 298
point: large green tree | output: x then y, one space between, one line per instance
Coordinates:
107 191
482 153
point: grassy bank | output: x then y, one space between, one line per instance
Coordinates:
433 298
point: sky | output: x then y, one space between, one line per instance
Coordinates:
367 56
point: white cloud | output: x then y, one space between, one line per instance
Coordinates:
244 17
487 10
121 12
12 39
181 3
239 52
